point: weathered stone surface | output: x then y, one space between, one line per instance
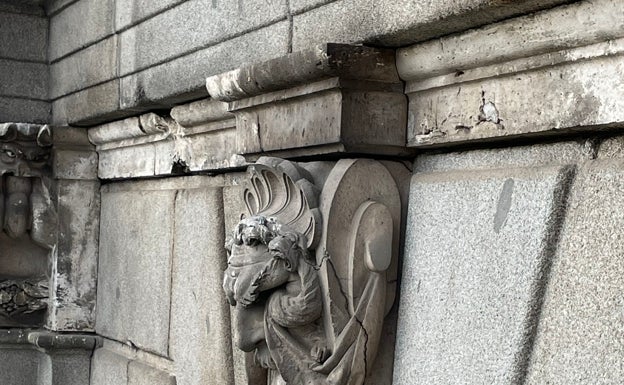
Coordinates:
80 24
55 6
548 31
18 366
397 23
65 368
75 256
141 374
579 339
205 23
183 78
93 65
578 95
24 37
200 325
109 368
89 106
131 12
478 246
24 110
134 278
26 80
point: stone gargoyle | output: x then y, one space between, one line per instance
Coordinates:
27 222
312 269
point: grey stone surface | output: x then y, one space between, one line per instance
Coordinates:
134 277
548 31
24 37
397 23
580 338
24 110
33 7
571 96
89 106
80 24
200 325
55 6
75 256
131 12
93 65
184 78
478 244
65 368
108 368
141 374
205 23
18 366
26 80
300 6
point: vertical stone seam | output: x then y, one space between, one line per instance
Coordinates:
171 273
554 227
289 17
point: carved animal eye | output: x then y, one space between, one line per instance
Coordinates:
9 153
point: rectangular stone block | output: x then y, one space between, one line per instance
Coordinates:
23 79
93 65
193 25
18 366
478 245
201 344
55 6
184 78
24 37
65 367
73 294
571 96
400 22
109 368
89 106
580 339
134 277
80 24
24 110
131 12
141 374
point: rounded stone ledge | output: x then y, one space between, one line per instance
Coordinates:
48 340
323 61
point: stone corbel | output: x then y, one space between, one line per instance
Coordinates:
312 270
332 99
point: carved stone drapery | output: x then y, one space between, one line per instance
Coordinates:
27 225
311 272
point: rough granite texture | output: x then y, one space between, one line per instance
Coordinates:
580 339
477 246
23 80
134 275
18 366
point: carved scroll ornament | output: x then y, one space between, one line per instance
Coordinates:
310 290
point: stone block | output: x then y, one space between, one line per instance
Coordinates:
204 23
24 110
579 337
25 80
141 374
183 79
131 12
34 8
523 37
18 366
24 37
134 278
200 341
402 22
571 96
93 65
75 164
75 257
88 107
301 6
478 246
65 368
55 6
80 24
109 368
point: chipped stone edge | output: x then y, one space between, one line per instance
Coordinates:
323 61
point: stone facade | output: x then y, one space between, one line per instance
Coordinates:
311 192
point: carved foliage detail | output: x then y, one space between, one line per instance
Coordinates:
19 297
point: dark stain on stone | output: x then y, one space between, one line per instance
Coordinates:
179 167
504 204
